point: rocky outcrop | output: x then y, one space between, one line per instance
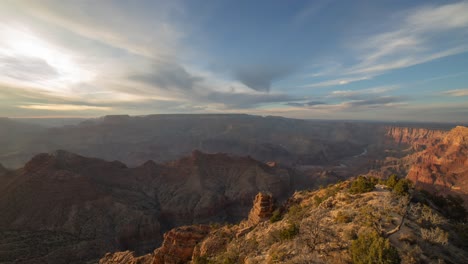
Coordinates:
262 210
177 248
179 243
182 244
125 257
325 234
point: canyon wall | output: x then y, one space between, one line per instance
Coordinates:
438 161
413 136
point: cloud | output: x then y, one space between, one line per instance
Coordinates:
361 94
457 92
168 76
379 101
305 104
309 11
152 35
26 68
413 37
354 100
414 40
261 77
64 107
334 82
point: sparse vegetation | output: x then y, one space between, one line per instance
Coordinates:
435 235
358 228
330 191
430 218
452 206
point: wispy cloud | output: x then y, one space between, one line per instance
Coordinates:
457 92
417 36
64 107
355 100
335 82
312 9
362 93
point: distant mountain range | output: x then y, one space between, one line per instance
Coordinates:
134 140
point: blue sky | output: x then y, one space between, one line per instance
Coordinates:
370 60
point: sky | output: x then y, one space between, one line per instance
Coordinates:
361 60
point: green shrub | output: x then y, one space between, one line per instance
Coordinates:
318 200
289 232
370 248
362 185
296 212
342 217
402 187
201 260
392 181
276 216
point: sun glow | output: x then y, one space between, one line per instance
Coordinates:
23 43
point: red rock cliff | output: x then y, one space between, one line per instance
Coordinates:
443 165
413 136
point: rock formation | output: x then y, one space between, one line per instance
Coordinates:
177 248
262 209
179 243
126 257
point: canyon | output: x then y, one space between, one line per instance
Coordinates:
132 184
96 206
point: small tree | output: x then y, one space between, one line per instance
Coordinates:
392 181
402 187
370 248
361 185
